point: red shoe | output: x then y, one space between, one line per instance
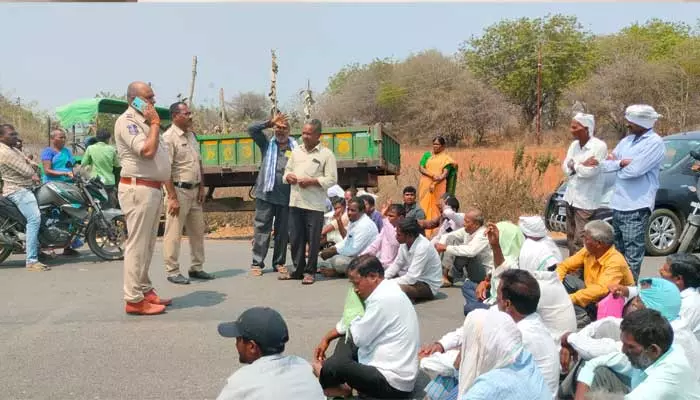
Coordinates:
153 298
144 308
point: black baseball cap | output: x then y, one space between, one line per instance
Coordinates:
263 325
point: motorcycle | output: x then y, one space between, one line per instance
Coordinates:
690 237
69 211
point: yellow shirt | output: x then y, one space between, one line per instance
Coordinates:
317 163
597 274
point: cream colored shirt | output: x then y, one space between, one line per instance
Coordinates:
183 150
130 133
318 163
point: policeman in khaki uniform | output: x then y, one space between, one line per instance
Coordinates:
145 168
185 197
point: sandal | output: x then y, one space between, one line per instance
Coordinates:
283 273
328 272
446 283
308 280
256 271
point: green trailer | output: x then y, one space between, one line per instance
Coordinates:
362 153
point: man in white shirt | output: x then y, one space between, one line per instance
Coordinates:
518 296
417 268
472 253
684 270
448 221
361 232
378 354
261 335
650 365
585 183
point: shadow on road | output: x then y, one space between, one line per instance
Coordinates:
227 273
200 298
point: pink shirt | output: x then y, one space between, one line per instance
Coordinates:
384 247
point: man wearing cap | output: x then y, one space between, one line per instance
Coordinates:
145 166
636 161
261 334
185 197
584 188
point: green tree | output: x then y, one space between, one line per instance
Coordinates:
506 56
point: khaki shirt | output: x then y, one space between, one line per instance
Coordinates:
130 133
183 150
15 170
318 163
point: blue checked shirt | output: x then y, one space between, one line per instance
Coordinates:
637 183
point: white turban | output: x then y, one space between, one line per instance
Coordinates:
586 120
642 115
533 226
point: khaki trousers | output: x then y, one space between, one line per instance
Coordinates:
191 217
141 206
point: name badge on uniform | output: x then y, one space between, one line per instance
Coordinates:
133 129
287 153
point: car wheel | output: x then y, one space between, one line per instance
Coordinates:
663 233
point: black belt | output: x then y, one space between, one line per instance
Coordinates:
185 185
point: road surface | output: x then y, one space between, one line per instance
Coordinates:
65 334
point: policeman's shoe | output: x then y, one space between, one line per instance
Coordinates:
179 279
143 307
153 298
201 275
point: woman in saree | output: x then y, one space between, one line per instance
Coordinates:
57 161
438 176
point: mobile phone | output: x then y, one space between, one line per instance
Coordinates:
139 104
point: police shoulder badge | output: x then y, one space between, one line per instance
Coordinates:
133 129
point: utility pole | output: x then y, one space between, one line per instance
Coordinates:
223 110
539 93
308 101
19 113
194 75
273 85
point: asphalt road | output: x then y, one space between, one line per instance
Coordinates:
64 333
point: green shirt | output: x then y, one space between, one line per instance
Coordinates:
102 157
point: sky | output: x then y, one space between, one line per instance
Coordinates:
56 53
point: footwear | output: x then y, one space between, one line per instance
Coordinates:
446 283
256 271
283 273
179 280
143 307
38 267
70 252
308 280
328 272
201 275
152 297
45 256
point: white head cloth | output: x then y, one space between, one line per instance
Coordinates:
336 191
532 226
492 340
587 120
642 115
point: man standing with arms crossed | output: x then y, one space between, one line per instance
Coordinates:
185 197
145 167
311 170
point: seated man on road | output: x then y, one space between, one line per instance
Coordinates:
448 221
603 336
471 251
539 252
370 210
518 296
385 246
417 268
261 334
684 270
602 266
377 355
413 209
336 224
649 365
361 233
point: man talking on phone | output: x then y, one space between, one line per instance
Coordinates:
145 167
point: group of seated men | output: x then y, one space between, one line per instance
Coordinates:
537 326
